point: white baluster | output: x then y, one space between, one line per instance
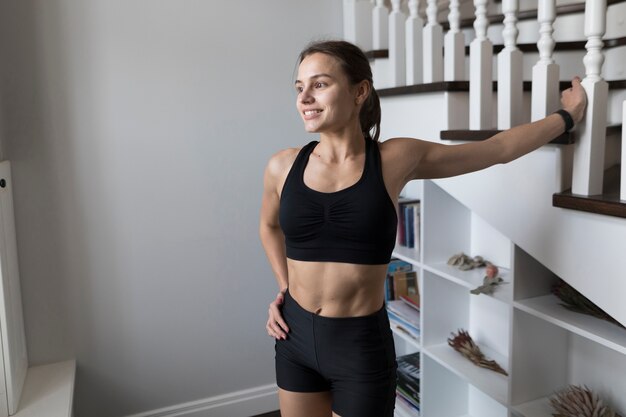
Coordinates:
397 41
380 27
622 193
588 173
454 46
433 46
357 22
510 83
414 53
545 87
481 78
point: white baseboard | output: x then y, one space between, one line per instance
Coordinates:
243 403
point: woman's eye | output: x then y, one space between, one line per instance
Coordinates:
319 85
299 89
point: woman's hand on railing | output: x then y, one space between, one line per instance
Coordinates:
276 326
574 100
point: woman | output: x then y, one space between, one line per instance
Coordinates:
328 227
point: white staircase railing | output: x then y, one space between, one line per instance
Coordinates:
545 88
481 72
380 26
414 44
397 42
406 51
510 78
589 148
454 46
433 45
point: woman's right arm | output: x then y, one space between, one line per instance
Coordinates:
273 239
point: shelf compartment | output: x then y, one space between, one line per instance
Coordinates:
493 384
547 358
473 278
412 345
409 255
444 393
547 308
450 228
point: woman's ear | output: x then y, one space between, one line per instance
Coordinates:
363 90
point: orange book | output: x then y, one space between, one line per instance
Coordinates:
405 284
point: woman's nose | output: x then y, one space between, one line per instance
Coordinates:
306 97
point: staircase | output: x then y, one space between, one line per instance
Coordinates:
580 235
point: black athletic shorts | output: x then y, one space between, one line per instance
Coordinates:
352 357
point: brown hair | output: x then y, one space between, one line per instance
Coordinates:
357 68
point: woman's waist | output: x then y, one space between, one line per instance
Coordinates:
338 290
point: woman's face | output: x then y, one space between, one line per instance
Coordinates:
326 101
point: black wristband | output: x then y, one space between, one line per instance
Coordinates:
567 118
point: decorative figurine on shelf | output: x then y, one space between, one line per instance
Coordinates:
490 282
464 344
465 263
576 302
575 401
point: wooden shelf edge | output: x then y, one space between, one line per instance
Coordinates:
463 86
605 204
524 47
478 135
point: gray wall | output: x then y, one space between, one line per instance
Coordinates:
138 132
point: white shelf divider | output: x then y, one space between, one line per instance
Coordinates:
547 307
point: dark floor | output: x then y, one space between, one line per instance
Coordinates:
272 414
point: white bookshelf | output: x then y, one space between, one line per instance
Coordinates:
541 345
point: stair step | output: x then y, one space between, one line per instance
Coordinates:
607 203
478 135
524 47
449 86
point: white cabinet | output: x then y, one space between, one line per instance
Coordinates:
542 346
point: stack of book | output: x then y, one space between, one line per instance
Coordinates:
408 386
408 223
404 317
401 282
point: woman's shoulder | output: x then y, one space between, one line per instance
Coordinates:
280 162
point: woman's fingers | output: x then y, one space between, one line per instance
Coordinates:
574 100
276 326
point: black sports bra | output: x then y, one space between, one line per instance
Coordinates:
356 224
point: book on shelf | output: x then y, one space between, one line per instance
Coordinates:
404 408
405 312
408 381
395 265
408 212
403 326
405 284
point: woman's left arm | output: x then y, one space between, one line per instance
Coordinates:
423 159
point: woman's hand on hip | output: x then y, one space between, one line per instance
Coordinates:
276 326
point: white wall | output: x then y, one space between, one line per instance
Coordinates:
138 132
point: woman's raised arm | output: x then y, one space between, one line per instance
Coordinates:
422 159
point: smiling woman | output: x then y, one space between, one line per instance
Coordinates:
328 225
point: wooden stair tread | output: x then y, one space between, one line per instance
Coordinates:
524 47
607 203
478 135
451 86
